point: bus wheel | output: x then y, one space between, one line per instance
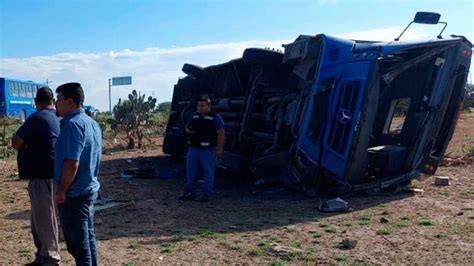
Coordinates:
23 116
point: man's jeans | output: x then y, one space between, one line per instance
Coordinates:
77 221
204 160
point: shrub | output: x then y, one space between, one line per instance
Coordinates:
469 151
133 115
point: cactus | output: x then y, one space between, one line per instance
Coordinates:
133 114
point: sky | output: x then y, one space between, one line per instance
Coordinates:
91 41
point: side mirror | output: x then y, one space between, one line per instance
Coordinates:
426 18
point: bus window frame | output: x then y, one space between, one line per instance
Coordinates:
13 89
30 91
24 91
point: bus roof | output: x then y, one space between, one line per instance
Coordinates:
24 81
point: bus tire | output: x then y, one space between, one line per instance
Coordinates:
193 70
262 56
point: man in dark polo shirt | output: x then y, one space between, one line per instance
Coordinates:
35 141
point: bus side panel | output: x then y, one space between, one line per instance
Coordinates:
19 98
3 101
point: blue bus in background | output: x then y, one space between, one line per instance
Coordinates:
17 97
91 110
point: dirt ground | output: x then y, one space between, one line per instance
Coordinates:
247 224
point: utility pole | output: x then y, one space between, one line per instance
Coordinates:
110 100
117 81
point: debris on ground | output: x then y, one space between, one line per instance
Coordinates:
144 173
105 203
414 190
384 220
282 251
347 244
334 205
441 180
455 161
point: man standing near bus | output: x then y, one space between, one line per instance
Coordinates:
206 145
76 168
35 141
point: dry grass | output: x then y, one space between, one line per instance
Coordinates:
246 224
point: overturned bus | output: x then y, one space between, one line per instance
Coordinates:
332 114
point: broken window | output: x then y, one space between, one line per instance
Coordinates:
396 116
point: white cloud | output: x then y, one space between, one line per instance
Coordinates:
388 34
154 70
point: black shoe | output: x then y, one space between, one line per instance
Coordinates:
187 196
38 263
34 263
204 199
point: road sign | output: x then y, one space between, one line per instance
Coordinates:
118 81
